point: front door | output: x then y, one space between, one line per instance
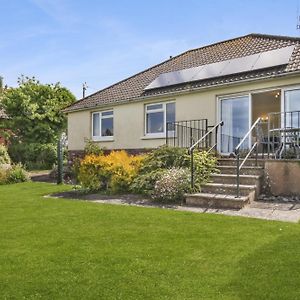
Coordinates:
235 114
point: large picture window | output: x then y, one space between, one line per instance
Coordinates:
103 125
157 115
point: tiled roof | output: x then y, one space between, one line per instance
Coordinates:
132 88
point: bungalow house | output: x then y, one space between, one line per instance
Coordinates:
235 83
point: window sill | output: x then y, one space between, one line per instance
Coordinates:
153 137
103 139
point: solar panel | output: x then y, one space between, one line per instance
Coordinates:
241 64
210 71
173 78
274 58
232 66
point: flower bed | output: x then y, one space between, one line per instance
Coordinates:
163 174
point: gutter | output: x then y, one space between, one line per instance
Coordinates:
185 91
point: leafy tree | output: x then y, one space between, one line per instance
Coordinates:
34 110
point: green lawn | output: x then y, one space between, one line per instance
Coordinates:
64 249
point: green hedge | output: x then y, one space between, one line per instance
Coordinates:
34 155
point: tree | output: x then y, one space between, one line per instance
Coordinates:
34 110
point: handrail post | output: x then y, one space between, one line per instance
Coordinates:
216 140
257 142
192 168
167 129
238 175
269 137
256 158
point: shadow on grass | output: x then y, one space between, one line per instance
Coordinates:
271 272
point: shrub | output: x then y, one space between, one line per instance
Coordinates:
92 148
164 158
14 174
113 172
205 164
17 174
154 165
172 185
3 175
4 157
34 155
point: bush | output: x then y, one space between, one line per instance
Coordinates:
113 172
205 164
3 175
172 185
34 155
163 158
4 157
154 165
14 174
17 174
92 148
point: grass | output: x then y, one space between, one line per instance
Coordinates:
64 249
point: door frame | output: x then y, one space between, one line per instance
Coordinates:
286 89
219 113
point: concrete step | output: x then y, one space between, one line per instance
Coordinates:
246 170
231 179
227 189
248 162
208 200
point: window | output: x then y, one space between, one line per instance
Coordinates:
103 125
157 115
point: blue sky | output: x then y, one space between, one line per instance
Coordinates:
101 42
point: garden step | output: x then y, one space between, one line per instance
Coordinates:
248 162
246 170
208 200
227 189
231 179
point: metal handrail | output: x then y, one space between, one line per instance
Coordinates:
191 149
205 135
237 152
183 133
237 148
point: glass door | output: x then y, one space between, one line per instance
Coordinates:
292 108
235 114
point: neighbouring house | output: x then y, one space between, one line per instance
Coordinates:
238 96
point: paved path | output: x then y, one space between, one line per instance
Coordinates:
287 212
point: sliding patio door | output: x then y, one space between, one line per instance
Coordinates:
235 114
292 108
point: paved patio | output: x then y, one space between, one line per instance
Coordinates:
286 212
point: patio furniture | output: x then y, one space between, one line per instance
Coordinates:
289 136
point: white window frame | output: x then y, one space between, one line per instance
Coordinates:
101 117
164 110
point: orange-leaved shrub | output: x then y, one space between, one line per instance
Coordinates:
113 172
